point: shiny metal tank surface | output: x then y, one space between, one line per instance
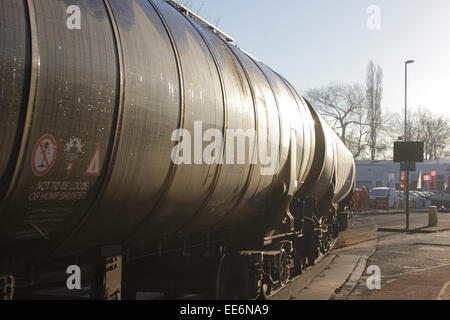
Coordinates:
90 119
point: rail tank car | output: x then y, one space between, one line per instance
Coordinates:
96 97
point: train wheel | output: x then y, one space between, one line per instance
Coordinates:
284 270
311 259
327 241
302 265
232 278
266 291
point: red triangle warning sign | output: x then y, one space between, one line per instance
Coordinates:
93 169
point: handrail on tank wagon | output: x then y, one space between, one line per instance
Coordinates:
200 20
179 7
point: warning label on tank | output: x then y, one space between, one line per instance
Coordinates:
93 169
44 155
57 190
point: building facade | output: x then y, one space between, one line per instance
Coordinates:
386 173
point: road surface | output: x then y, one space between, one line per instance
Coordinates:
413 265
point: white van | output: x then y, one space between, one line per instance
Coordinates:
383 198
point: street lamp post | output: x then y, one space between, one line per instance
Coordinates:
406 139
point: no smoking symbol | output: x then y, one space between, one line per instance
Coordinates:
44 155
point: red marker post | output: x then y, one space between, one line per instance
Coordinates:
427 178
433 179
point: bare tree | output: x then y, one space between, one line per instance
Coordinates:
432 129
356 115
341 104
357 138
387 135
374 96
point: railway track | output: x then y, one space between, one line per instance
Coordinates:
319 259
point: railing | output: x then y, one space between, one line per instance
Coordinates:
200 20
180 8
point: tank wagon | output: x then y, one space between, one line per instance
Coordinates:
96 96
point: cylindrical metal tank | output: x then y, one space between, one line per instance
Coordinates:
89 122
345 171
333 167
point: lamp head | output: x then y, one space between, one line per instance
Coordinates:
409 61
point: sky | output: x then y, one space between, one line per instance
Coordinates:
320 42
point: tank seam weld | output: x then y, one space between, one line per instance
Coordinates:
252 166
172 170
34 79
224 127
111 155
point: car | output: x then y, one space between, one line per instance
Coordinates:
441 200
417 200
423 200
382 197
